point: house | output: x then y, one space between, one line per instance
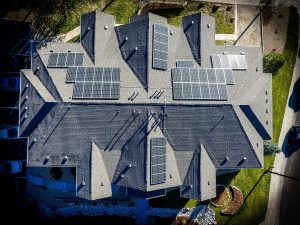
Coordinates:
146 106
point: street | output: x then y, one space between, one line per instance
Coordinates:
290 198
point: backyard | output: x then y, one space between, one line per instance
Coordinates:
59 17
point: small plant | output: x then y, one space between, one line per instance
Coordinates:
56 173
273 62
271 148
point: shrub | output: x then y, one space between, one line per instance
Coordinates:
271 148
273 62
56 173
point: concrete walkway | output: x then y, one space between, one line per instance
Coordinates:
273 211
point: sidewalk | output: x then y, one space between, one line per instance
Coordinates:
273 211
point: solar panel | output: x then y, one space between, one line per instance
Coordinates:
235 62
160 46
71 74
95 82
223 91
158 160
185 63
216 61
197 84
229 76
52 61
65 59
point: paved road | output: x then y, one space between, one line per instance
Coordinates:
290 197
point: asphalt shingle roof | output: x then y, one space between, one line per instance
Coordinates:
110 138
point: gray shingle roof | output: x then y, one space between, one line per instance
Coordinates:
110 139
88 33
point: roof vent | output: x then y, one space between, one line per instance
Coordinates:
224 53
171 176
34 140
244 158
208 183
88 28
26 107
65 159
105 27
83 183
136 48
69 50
25 116
226 158
26 86
51 50
256 69
190 186
47 158
208 25
242 53
129 165
192 22
122 175
171 32
126 38
26 97
102 184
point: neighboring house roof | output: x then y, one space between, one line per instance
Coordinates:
112 141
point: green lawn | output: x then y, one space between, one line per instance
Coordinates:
57 17
123 10
223 23
282 80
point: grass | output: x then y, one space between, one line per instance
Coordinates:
123 10
74 39
223 23
282 80
56 17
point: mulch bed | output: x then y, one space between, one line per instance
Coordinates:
223 196
237 202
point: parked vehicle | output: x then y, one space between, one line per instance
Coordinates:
10 167
12 83
9 132
295 134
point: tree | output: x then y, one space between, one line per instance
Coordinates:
273 62
271 148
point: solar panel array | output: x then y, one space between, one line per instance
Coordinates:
197 84
158 160
235 62
95 82
65 59
185 63
160 47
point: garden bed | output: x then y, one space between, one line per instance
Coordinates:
223 196
237 201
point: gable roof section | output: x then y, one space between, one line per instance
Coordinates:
41 72
200 180
35 102
191 27
217 127
87 33
134 48
100 183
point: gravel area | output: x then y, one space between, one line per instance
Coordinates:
275 22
